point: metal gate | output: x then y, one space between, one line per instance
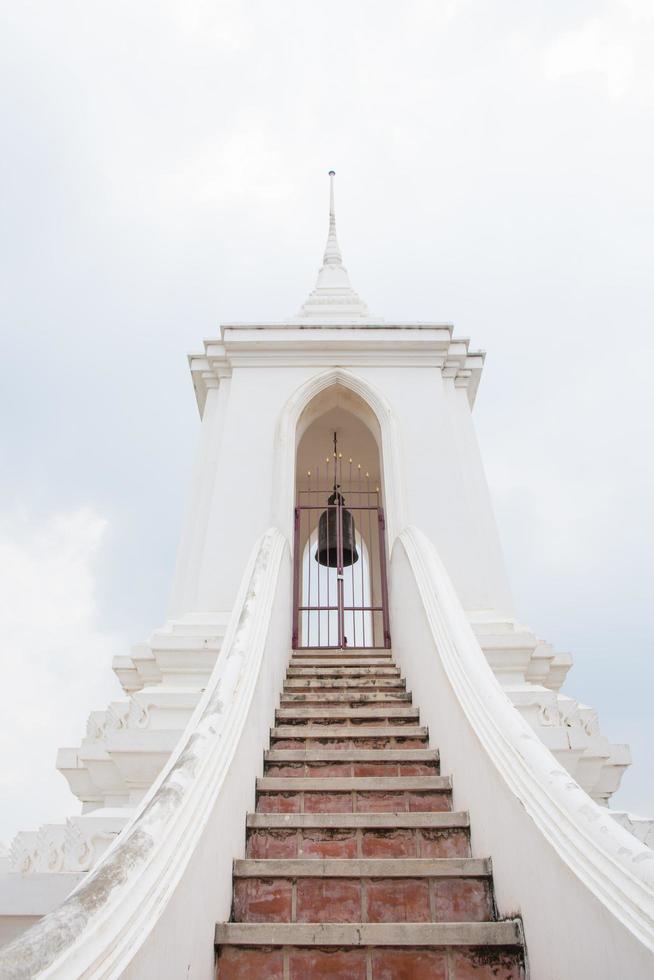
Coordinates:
339 602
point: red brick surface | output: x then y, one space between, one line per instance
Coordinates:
444 843
486 964
327 964
409 964
430 801
244 963
327 802
389 844
462 900
398 900
278 803
328 900
381 802
272 844
328 844
262 900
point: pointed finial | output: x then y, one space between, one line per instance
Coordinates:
332 251
333 300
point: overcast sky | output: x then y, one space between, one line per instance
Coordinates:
163 169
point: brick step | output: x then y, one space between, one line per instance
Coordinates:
370 951
329 713
335 762
347 652
353 698
361 683
352 755
339 671
313 836
333 661
378 794
363 890
341 736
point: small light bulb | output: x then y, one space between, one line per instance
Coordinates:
367 474
350 460
308 472
358 466
340 455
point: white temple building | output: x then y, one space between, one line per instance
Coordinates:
366 583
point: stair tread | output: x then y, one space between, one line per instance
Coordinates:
345 697
506 933
375 670
362 868
337 821
360 731
328 711
341 662
350 783
351 755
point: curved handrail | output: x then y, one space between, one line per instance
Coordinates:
617 868
102 922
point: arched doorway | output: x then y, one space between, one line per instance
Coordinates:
340 592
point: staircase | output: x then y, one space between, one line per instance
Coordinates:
356 866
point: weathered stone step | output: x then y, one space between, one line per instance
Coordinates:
346 653
330 713
344 762
358 835
351 755
317 697
365 868
365 683
335 794
349 671
386 821
507 933
376 951
338 736
351 784
340 662
362 890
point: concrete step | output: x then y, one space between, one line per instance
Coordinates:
339 821
343 670
317 697
351 755
363 890
361 683
336 784
312 836
365 868
331 713
379 794
376 951
352 762
346 736
347 652
332 661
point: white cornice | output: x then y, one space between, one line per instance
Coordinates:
402 344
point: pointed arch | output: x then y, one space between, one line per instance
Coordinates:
390 450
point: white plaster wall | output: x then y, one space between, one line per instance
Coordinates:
571 932
445 489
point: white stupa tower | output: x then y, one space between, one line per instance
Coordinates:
342 721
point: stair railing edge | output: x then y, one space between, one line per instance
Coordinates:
103 923
614 865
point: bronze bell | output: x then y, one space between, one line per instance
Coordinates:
327 553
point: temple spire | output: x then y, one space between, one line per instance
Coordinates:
332 254
333 299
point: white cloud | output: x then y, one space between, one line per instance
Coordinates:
55 659
615 46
